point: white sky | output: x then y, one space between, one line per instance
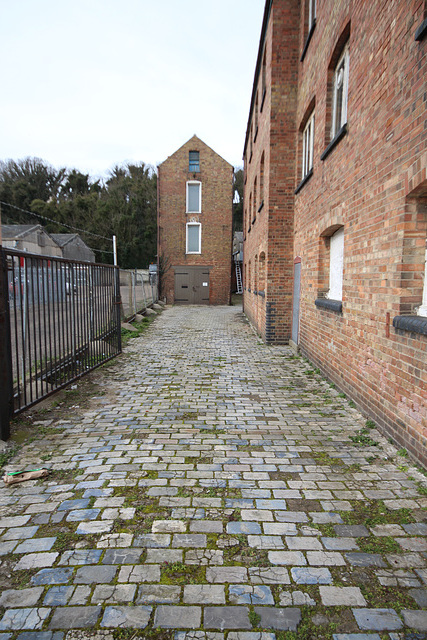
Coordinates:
88 84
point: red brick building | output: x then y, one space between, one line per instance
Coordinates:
194 217
336 199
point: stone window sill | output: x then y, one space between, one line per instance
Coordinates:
304 181
263 99
415 324
329 305
421 32
307 42
341 133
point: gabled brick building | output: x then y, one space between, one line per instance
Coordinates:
194 216
336 199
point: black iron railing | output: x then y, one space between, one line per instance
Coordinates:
61 319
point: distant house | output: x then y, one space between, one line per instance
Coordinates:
195 198
31 238
73 247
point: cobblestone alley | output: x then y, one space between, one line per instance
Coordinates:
216 489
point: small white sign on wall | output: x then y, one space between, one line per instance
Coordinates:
205 284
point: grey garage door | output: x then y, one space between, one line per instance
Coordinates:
191 285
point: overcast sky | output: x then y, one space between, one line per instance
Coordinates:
88 84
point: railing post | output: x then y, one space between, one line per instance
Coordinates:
6 386
118 306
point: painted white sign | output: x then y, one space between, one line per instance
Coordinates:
205 284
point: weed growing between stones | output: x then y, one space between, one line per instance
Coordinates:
180 573
254 618
363 439
383 544
140 327
371 513
321 624
7 455
386 597
123 633
240 553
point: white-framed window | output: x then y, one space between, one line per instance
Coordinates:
194 197
307 146
311 13
340 93
336 265
193 237
422 310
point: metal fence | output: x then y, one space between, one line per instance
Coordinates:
58 320
138 290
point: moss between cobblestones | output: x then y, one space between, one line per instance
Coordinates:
140 327
121 633
180 573
10 579
386 597
371 513
242 554
385 544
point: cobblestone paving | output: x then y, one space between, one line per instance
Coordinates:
220 489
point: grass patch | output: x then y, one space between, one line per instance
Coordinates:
7 455
371 513
140 327
363 439
383 544
321 623
180 573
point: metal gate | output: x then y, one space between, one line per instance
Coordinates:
59 319
191 285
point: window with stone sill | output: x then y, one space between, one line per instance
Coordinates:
193 237
331 269
307 147
413 267
336 265
194 197
264 77
255 202
340 93
309 24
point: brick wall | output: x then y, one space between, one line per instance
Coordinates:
269 158
216 177
364 185
372 181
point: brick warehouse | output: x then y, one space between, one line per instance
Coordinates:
335 220
194 218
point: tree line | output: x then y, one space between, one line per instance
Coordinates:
124 205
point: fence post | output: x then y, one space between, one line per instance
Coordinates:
6 386
118 307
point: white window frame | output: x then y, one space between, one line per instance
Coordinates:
193 224
311 13
307 146
193 182
340 79
336 265
422 310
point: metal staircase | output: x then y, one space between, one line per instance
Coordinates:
239 277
